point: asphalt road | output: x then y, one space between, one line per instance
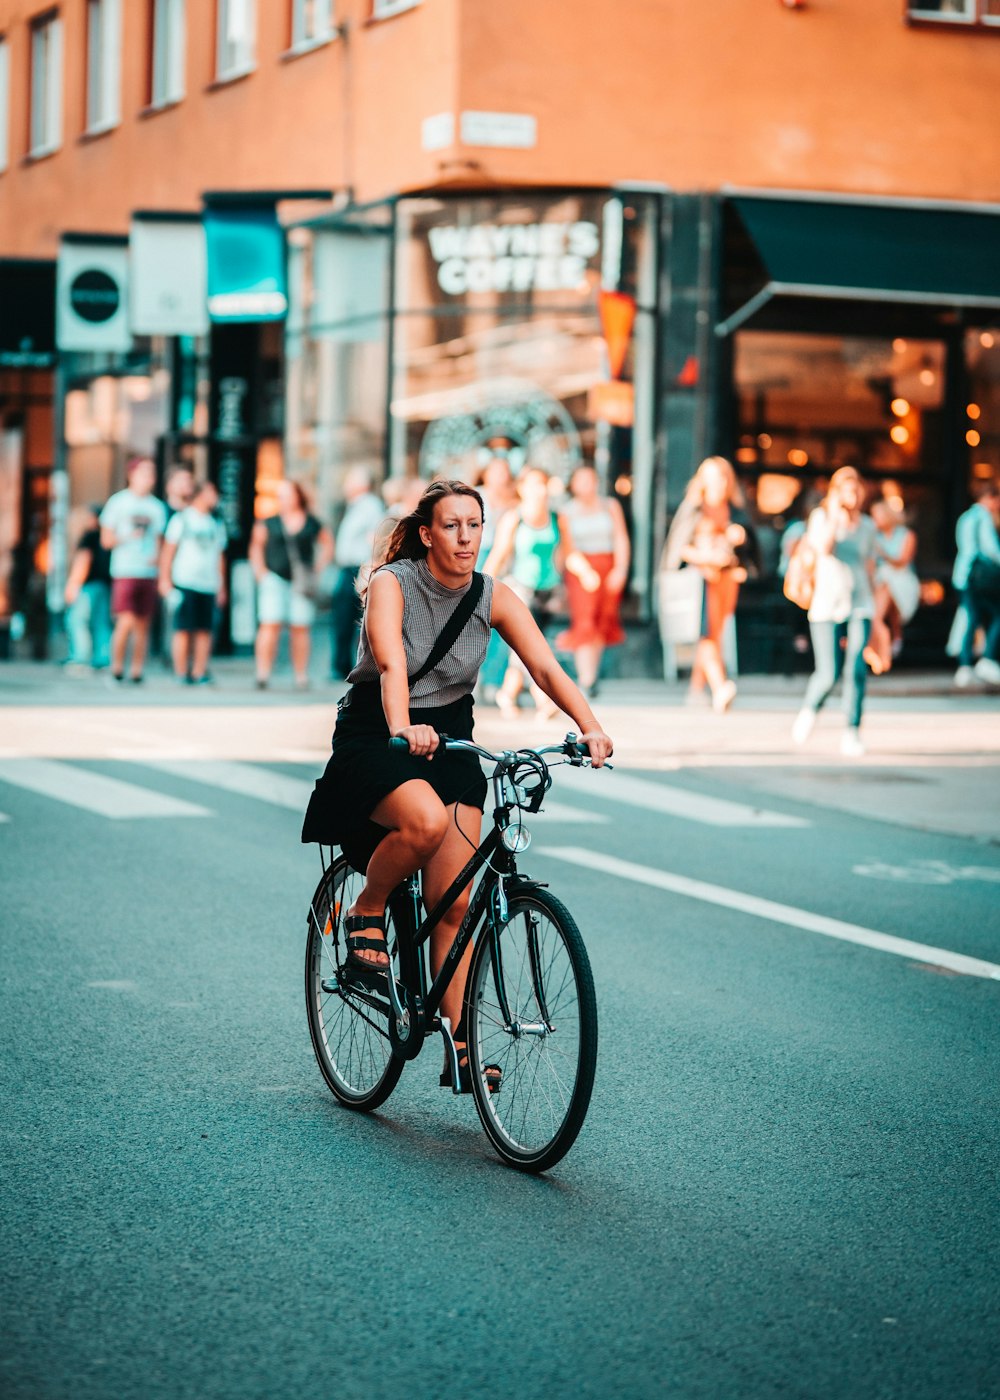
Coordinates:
787 1184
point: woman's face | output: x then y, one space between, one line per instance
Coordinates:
455 534
287 496
497 476
849 493
584 484
533 487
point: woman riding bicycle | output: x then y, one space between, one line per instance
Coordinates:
424 807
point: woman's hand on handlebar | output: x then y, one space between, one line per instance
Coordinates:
422 739
599 746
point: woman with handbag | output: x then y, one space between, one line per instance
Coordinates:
842 542
704 536
288 552
428 620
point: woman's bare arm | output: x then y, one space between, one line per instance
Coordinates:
517 627
503 545
255 552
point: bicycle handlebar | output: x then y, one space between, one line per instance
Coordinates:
570 748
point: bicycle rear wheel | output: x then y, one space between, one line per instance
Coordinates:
531 1009
348 1025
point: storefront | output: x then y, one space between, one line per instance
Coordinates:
426 333
863 334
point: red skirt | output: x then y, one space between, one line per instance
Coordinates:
594 618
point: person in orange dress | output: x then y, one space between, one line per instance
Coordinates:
595 570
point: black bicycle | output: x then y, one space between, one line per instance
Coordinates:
530 1009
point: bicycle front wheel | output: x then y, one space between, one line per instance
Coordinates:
531 1010
349 1025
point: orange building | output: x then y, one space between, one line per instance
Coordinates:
288 235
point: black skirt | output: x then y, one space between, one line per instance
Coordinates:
363 770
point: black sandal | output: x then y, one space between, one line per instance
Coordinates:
364 969
492 1073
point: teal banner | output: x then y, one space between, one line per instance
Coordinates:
246 264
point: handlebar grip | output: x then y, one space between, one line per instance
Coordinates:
399 744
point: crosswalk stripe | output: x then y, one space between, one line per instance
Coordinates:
244 779
677 802
773 912
107 797
263 784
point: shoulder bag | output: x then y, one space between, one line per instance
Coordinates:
800 576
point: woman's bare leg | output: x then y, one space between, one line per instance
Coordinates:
299 640
453 852
202 652
588 664
417 820
180 647
124 623
266 648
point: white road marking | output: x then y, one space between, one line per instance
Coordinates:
675 801
4 817
775 913
108 797
244 779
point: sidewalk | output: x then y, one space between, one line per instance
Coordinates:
933 760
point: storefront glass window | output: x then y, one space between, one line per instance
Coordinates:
808 404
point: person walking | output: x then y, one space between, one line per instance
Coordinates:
394 813
194 563
497 487
88 598
354 545
976 575
595 570
529 544
897 587
132 525
287 553
844 542
704 536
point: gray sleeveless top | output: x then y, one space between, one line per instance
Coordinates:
427 606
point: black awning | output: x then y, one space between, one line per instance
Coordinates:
27 312
869 252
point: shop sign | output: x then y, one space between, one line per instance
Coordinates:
167 286
541 257
247 278
612 402
91 294
514 131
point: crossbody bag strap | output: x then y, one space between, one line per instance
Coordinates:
452 629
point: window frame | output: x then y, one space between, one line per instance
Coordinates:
49 140
167 53
102 85
248 63
303 43
388 9
928 19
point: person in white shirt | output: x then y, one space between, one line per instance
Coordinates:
353 549
193 563
132 525
976 576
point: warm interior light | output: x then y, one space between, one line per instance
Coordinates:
746 454
987 341
764 440
776 493
973 411
927 376
623 486
932 593
899 346
900 407
797 457
983 471
973 438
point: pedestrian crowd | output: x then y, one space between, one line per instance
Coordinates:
146 567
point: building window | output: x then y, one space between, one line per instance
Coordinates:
4 102
236 46
969 12
104 40
45 125
312 22
383 9
167 67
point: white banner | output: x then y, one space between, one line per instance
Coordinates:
92 295
167 282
